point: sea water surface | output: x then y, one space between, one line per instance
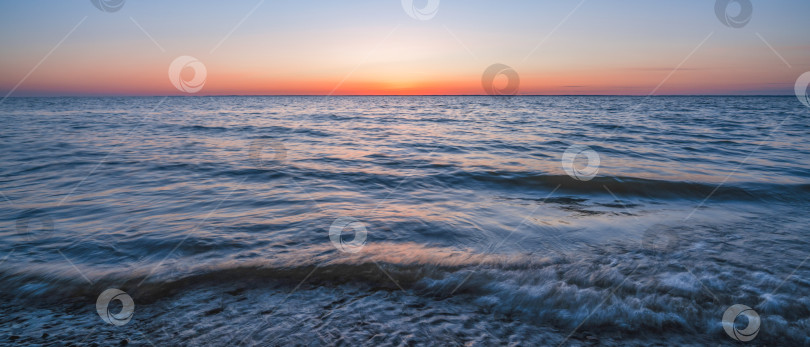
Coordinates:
214 215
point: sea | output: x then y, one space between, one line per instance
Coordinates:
405 220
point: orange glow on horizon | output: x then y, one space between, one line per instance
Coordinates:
537 83
337 48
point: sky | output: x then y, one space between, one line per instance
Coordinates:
370 47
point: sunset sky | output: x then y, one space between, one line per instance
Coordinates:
375 47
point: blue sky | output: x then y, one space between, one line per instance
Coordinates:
362 47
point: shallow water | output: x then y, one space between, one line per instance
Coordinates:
214 214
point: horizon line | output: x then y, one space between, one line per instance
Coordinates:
404 95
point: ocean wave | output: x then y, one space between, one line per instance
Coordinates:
641 187
621 186
633 291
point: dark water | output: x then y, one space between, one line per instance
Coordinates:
214 214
